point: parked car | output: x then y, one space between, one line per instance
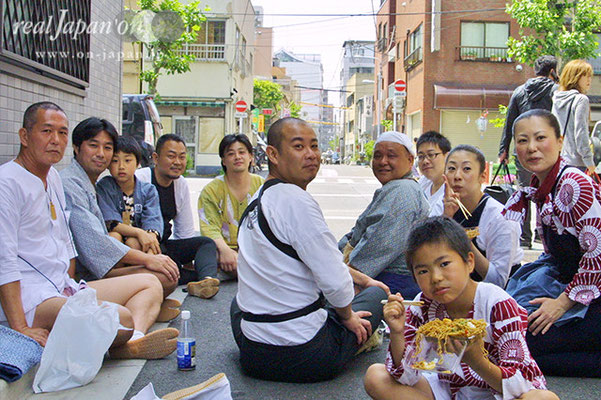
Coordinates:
141 120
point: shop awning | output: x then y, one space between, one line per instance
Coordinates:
450 96
185 103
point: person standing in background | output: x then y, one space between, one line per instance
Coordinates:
537 92
571 108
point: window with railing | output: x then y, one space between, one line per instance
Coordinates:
210 42
484 41
413 49
31 37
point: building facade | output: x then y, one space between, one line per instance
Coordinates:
455 66
355 131
358 57
199 105
263 53
263 47
307 71
80 73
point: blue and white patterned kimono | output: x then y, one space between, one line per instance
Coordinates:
97 251
380 234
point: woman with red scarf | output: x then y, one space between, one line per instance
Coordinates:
561 290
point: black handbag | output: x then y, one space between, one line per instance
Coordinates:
502 192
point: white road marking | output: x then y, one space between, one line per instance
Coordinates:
328 172
350 181
367 195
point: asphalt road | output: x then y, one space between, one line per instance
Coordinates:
342 192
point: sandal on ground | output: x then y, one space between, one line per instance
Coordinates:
169 310
154 345
204 289
372 343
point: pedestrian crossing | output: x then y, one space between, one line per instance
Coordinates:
346 180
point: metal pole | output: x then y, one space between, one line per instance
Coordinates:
240 125
379 96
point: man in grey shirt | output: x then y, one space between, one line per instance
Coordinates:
99 255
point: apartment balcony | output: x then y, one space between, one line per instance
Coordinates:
483 54
414 58
204 52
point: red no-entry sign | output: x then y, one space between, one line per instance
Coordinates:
400 85
241 106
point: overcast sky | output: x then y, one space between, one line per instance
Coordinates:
323 35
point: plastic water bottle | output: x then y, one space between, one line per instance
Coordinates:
186 345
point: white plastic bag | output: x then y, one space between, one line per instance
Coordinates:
82 333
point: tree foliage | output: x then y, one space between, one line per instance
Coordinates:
163 52
387 124
369 149
267 94
563 28
295 109
500 122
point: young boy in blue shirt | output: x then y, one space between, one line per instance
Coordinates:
129 206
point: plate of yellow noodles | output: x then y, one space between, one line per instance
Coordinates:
440 344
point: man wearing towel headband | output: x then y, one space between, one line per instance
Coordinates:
288 264
375 247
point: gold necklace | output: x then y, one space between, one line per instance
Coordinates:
52 208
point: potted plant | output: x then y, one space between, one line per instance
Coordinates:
470 55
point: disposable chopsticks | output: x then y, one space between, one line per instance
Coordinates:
464 210
407 303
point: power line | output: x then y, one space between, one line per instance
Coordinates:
483 10
307 23
316 88
323 105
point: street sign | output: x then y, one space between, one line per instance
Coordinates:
261 127
239 114
268 111
398 104
400 85
241 106
400 94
